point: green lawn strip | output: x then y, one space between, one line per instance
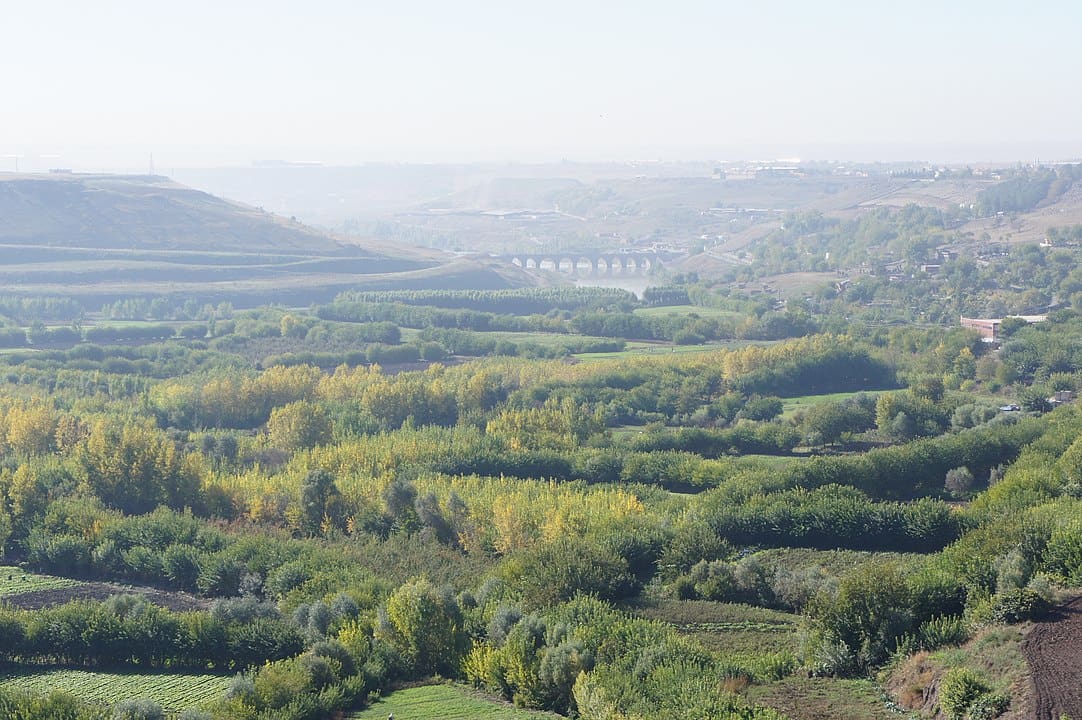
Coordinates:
640 349
16 581
705 312
173 691
446 702
541 338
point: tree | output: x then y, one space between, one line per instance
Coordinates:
903 427
559 570
828 422
298 425
959 482
319 500
426 626
870 612
1034 399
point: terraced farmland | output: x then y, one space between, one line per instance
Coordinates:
173 691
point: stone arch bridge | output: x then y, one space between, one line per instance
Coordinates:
639 262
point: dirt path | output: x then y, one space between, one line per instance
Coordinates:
1053 649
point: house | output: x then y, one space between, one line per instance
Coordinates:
989 327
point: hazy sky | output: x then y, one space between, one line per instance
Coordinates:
231 81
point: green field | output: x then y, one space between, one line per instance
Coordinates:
804 697
705 312
15 581
546 339
639 348
733 629
446 702
173 691
790 406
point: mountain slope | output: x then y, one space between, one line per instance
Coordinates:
103 237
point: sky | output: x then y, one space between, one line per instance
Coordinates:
111 83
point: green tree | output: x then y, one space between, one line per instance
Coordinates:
559 570
871 610
426 626
320 500
298 425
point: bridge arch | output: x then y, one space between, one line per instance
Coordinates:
586 264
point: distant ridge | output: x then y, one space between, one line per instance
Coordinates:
101 237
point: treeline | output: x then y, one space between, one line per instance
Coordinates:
166 307
918 468
129 631
40 335
418 316
74 369
474 344
521 301
744 439
613 323
377 354
832 517
26 310
691 329
1026 190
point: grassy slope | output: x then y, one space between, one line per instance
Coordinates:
804 698
994 652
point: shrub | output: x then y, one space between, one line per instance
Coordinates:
959 481
988 706
1014 606
958 691
941 631
559 570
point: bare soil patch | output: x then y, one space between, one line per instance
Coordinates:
1053 649
37 599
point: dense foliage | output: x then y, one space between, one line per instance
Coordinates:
338 528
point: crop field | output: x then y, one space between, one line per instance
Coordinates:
446 702
729 628
15 581
173 691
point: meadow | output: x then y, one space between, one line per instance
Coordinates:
447 702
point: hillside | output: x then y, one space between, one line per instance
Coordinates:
102 237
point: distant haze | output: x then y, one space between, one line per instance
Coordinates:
105 85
